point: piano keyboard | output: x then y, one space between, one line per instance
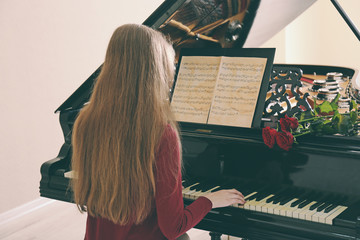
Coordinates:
288 202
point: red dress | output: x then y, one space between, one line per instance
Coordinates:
168 219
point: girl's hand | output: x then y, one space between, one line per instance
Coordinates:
224 198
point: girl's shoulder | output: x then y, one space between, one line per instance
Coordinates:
169 133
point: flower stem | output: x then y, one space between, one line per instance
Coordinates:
300 134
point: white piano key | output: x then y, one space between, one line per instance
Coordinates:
189 193
316 216
287 208
306 210
262 202
188 188
309 214
70 174
330 218
249 204
278 210
322 218
249 195
296 213
284 210
201 193
269 208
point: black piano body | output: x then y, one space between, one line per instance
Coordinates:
319 168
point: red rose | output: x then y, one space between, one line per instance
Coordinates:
285 140
288 123
293 123
268 135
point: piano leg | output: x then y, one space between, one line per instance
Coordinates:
215 236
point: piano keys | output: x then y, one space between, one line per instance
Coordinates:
308 205
290 202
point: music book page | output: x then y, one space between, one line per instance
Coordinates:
194 88
218 90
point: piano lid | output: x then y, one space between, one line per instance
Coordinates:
272 16
225 23
211 24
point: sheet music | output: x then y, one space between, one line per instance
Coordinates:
194 88
236 91
218 90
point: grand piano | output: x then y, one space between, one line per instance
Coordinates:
311 191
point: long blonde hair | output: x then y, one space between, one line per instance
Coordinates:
115 137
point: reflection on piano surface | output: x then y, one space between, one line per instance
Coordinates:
309 192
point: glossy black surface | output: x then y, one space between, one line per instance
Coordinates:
323 173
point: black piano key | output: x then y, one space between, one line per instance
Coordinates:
252 197
277 200
228 185
286 200
261 196
313 196
276 196
297 202
208 187
320 201
261 193
244 191
273 198
327 201
331 207
243 188
316 205
187 183
304 203
199 187
195 186
283 196
269 200
290 196
322 207
303 197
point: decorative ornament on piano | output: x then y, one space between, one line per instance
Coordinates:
284 96
292 112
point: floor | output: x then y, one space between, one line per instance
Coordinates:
46 219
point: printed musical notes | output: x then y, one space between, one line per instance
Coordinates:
218 90
236 91
194 88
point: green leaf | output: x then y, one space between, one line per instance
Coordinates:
301 116
325 107
316 126
336 117
353 117
334 102
344 125
353 105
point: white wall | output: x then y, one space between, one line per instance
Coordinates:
48 48
320 36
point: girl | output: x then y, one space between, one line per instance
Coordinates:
126 147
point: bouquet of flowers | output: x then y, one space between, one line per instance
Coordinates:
325 119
